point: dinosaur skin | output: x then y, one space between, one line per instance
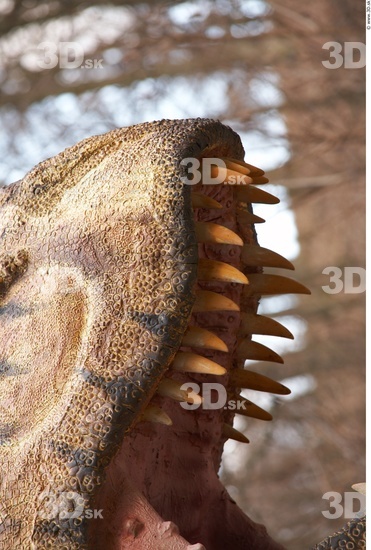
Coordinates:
100 274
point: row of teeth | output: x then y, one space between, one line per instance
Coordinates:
206 301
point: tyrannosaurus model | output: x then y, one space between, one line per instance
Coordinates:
122 277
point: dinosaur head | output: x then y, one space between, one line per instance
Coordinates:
129 268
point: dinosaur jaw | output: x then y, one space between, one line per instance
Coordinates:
163 481
110 221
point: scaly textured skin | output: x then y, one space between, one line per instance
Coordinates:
351 537
116 306
98 277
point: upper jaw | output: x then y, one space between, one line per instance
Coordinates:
148 270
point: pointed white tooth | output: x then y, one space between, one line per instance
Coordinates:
237 165
203 201
227 176
254 255
251 194
193 397
253 170
247 218
198 337
171 388
155 414
247 408
259 324
207 232
206 300
185 361
248 349
255 173
242 378
360 487
210 270
259 180
232 433
262 284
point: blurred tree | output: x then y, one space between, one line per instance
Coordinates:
258 67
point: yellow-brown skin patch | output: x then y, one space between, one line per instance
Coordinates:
98 275
108 222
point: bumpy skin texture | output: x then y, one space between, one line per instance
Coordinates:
98 267
101 306
351 537
98 274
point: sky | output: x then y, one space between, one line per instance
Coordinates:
178 97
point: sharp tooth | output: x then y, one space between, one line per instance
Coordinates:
241 378
249 193
227 176
206 300
255 255
233 177
194 398
197 337
262 284
259 180
232 433
243 164
360 487
207 232
155 414
236 165
203 201
247 408
212 270
246 218
185 361
171 388
248 349
258 324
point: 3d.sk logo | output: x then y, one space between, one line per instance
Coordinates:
208 397
65 505
211 171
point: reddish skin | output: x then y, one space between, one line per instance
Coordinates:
175 468
61 243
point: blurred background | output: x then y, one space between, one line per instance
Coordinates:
69 70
